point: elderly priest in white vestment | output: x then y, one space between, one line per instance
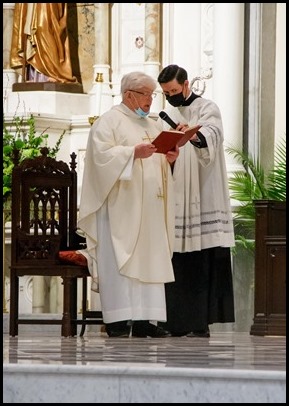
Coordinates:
127 213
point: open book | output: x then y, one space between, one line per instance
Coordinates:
167 140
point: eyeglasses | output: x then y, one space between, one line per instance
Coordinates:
152 95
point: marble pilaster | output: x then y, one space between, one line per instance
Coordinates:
102 41
56 295
102 37
267 94
81 36
100 91
228 71
38 301
152 32
152 46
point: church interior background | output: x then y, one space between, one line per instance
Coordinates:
234 53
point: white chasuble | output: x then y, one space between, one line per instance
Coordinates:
127 215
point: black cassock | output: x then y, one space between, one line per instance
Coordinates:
202 293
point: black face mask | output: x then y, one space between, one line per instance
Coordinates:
176 100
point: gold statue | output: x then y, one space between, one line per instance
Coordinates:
40 42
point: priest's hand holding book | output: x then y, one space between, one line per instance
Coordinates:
145 150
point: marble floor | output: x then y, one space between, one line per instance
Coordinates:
225 368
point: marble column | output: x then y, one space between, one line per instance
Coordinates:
38 294
228 71
56 295
254 80
152 46
100 91
96 96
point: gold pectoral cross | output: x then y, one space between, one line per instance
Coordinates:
147 138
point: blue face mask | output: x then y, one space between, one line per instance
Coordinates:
141 113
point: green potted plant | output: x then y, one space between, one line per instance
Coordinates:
247 185
252 183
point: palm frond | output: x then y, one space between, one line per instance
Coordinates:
250 184
253 171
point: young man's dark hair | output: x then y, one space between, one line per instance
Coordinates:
173 72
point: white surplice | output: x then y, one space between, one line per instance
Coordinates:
127 215
203 208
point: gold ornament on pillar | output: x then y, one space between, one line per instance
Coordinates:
99 77
92 119
99 80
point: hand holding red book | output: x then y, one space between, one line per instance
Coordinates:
167 140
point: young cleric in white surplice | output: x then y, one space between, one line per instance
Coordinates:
127 207
202 293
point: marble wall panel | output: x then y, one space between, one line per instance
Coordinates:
82 41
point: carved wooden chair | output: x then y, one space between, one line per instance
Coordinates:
44 217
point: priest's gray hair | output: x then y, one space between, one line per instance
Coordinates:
136 81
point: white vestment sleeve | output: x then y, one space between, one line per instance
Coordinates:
127 172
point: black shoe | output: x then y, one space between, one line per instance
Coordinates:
199 333
142 328
118 329
118 333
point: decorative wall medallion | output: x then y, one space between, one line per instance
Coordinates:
139 42
198 85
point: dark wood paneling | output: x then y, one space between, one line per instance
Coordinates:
270 269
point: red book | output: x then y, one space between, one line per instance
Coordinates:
167 140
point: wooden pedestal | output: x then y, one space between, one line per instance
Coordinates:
270 269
